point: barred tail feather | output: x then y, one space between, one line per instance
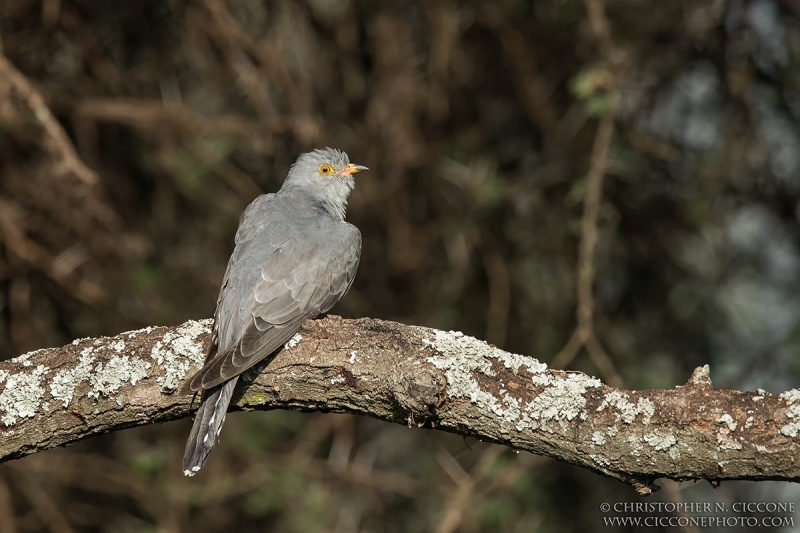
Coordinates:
207 426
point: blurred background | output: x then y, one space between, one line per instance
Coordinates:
133 135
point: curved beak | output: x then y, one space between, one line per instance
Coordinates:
352 169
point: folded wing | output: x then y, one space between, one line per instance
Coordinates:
277 277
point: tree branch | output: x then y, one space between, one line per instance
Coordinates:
411 375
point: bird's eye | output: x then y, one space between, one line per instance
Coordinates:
325 170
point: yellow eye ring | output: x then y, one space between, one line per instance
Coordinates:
325 170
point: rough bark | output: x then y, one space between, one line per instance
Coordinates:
411 375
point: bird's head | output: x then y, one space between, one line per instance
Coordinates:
327 175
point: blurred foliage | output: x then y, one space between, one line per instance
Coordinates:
476 119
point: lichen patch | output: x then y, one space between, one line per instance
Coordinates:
636 448
461 357
294 341
456 346
65 381
21 395
25 359
598 439
118 346
792 397
515 361
562 400
120 370
134 333
626 410
728 421
178 352
660 442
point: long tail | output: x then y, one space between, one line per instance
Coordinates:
207 425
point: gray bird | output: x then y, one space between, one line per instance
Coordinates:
295 257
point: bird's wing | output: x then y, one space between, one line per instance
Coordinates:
288 276
248 228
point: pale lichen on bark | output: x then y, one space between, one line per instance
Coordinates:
101 369
792 397
58 395
178 352
461 356
411 375
627 411
22 394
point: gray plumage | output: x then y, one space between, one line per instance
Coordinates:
295 257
